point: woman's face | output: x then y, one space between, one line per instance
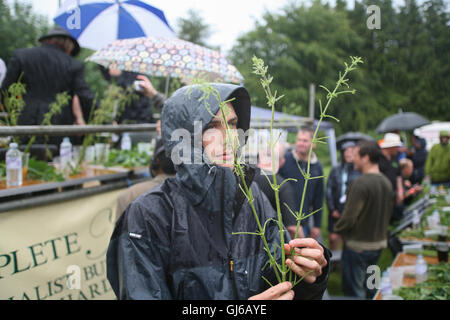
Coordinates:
348 155
218 146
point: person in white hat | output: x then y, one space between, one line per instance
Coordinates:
390 167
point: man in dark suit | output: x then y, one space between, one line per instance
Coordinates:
47 70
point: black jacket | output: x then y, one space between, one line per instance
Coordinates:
176 241
47 70
314 194
334 186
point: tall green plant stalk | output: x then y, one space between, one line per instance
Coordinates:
115 97
281 270
266 80
13 104
62 99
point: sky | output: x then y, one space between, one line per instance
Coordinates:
226 18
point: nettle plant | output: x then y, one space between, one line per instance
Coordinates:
282 271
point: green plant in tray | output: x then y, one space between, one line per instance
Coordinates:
127 158
435 288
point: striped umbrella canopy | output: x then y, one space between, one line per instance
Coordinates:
96 23
167 57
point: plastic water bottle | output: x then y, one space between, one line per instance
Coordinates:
385 285
416 219
65 154
126 142
13 166
421 269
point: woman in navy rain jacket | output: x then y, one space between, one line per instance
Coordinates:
176 242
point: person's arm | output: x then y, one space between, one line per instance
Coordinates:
137 256
400 190
77 111
148 90
352 210
82 90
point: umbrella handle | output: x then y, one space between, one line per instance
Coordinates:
167 86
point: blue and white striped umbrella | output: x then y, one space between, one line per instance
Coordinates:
96 23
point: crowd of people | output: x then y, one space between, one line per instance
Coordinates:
181 234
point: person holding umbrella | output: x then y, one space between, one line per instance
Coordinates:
141 109
47 70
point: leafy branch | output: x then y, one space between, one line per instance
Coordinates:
110 107
281 270
13 104
62 99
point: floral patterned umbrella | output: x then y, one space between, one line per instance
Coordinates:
167 57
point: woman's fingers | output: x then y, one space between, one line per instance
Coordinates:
287 296
301 271
305 243
280 291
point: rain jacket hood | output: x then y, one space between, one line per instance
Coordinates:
190 110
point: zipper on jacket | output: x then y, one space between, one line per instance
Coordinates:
233 284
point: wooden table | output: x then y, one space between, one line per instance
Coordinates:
93 179
407 259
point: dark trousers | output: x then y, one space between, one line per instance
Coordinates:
354 272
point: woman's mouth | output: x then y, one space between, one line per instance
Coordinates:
227 157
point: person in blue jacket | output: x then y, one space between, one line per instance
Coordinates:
314 196
178 241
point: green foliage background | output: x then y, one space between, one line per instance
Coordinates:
406 62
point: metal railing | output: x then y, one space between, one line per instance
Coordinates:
63 130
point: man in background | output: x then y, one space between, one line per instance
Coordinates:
314 193
47 70
339 179
390 167
364 222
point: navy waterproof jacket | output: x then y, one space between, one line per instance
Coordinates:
176 241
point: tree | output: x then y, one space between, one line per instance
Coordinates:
406 62
193 28
302 45
19 27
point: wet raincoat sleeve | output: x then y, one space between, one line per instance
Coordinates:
135 258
